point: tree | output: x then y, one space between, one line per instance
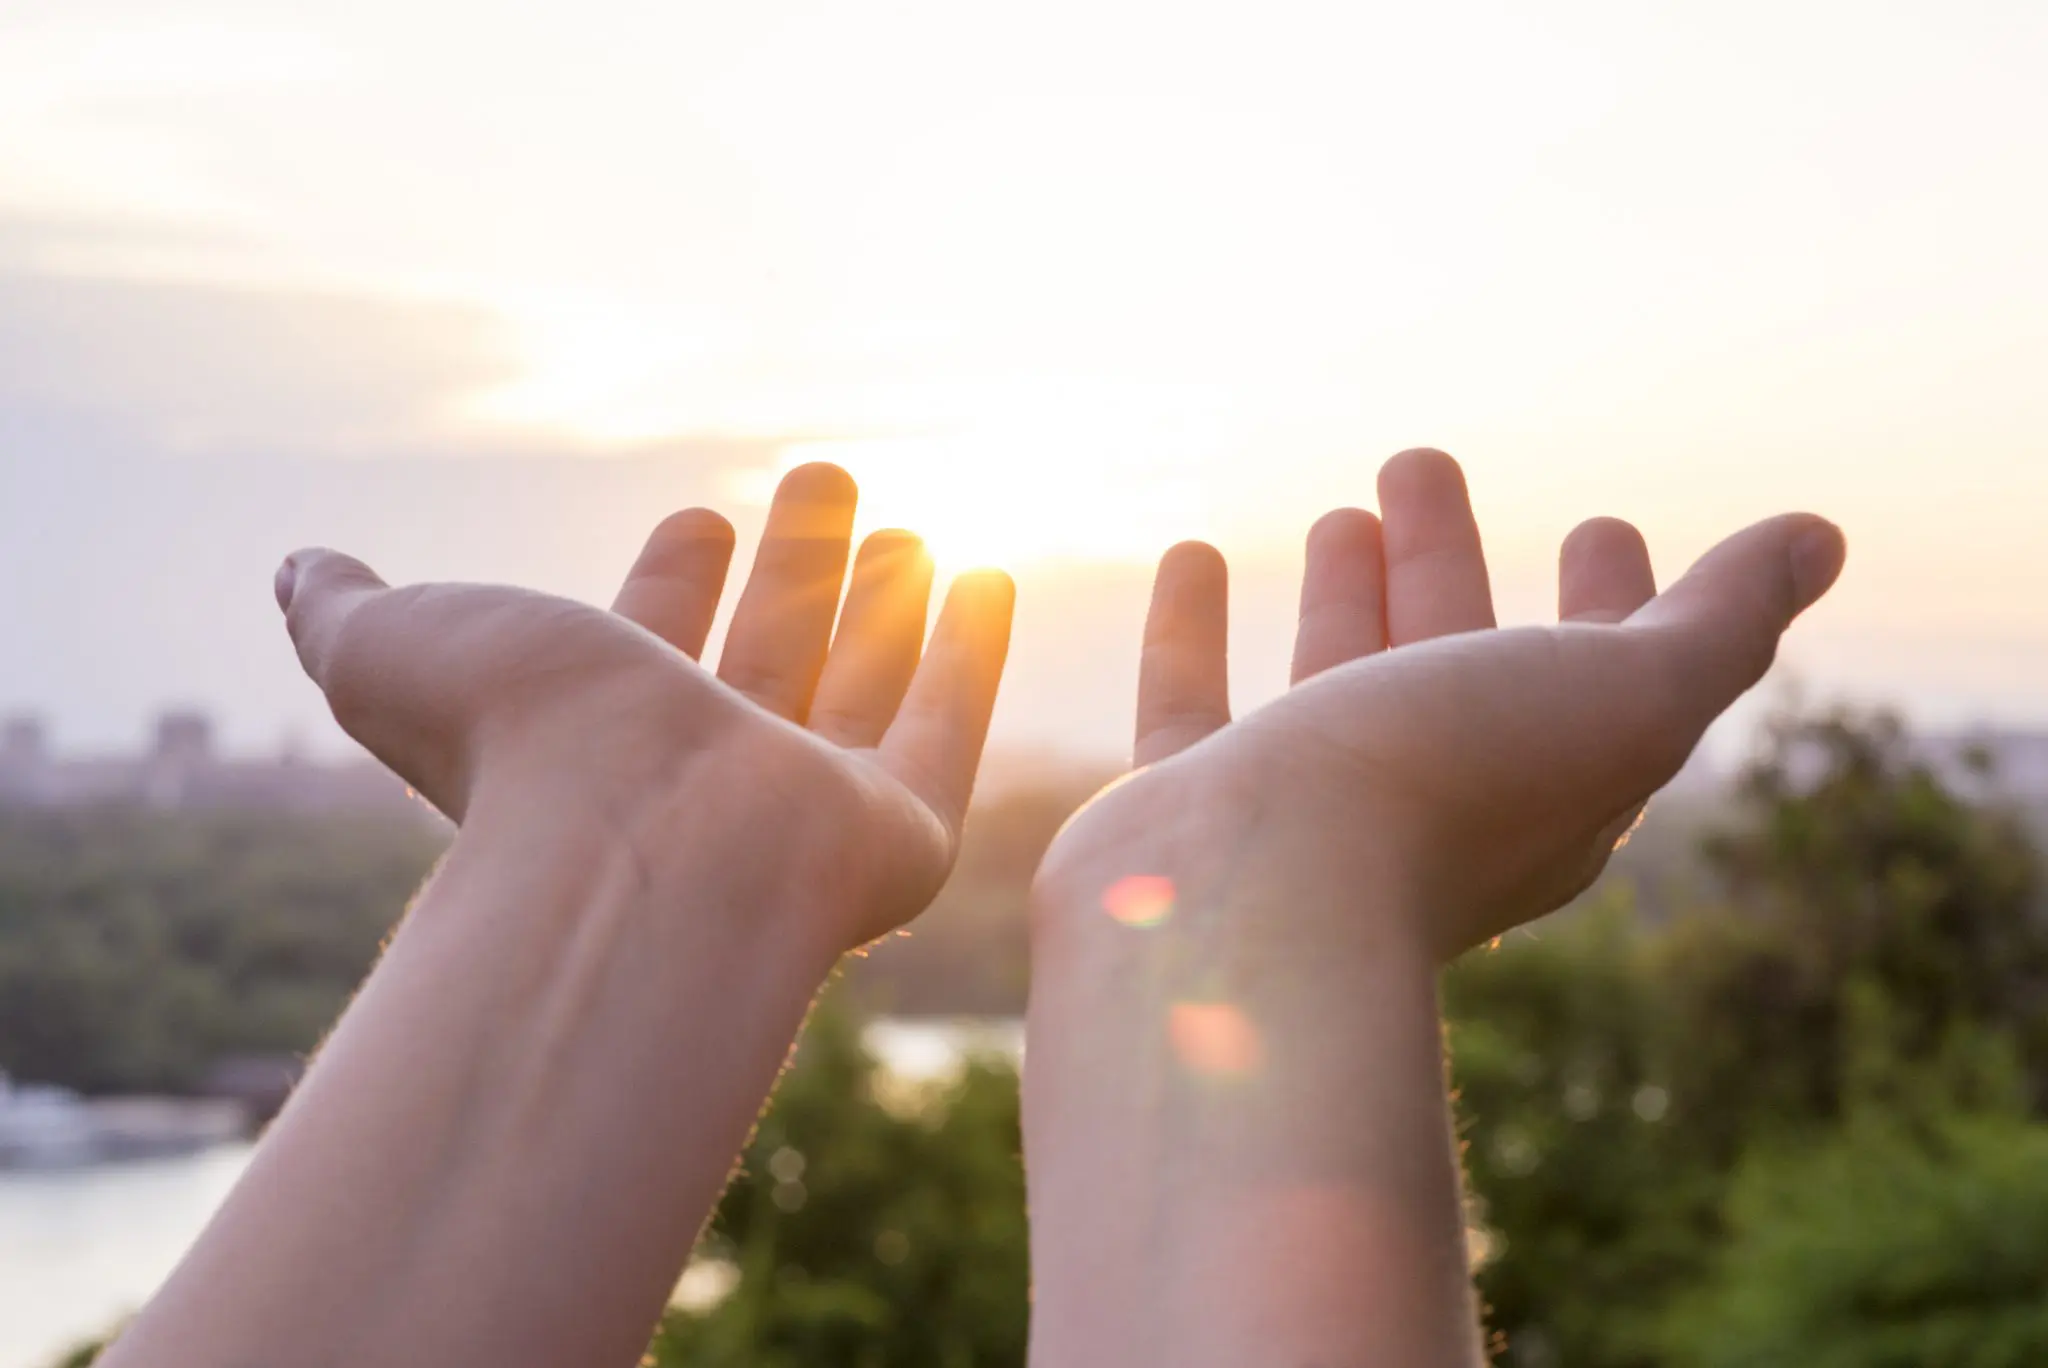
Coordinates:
1875 946
1887 1248
872 1223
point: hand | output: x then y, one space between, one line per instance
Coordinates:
504 1150
843 755
1234 1122
1475 777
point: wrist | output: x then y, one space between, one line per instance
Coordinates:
1233 1103
1227 1168
717 842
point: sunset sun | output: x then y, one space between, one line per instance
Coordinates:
1017 501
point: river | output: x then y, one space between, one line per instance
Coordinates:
79 1248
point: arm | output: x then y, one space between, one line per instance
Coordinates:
1238 1141
505 1151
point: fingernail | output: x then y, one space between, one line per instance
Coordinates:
283 582
1817 555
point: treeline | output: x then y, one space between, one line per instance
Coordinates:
139 947
1798 1117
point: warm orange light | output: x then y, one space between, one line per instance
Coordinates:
1140 899
1214 1039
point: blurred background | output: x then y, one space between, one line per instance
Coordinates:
483 294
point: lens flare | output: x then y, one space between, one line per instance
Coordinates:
1140 899
1214 1039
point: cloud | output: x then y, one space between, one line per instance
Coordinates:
163 443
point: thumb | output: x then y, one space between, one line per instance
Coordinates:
1720 624
319 590
383 694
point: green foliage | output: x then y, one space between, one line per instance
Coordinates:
137 947
1876 949
1584 1164
871 1226
1884 1248
1877 914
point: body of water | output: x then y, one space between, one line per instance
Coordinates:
80 1248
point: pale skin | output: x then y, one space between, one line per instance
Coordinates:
1236 1130
1235 1121
505 1151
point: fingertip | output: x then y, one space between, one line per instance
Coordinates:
1419 468
1599 537
820 481
1195 561
325 587
1603 572
318 570
1192 584
693 525
283 582
936 740
893 544
1437 582
985 588
1818 553
680 542
1343 607
1344 526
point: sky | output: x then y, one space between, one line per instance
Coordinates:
482 291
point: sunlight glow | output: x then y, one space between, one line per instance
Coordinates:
1020 499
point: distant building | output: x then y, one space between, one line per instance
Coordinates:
184 768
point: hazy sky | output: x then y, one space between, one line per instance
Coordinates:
482 293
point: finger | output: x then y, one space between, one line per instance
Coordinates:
1183 679
1343 593
319 591
934 745
881 631
1603 572
1717 629
783 626
382 693
1436 569
673 589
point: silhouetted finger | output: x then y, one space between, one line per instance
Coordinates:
1717 629
1183 675
1343 593
1603 572
782 628
1436 568
934 745
673 588
881 631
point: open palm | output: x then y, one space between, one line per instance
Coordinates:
856 750
1479 773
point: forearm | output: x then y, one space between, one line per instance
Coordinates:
1237 1153
505 1151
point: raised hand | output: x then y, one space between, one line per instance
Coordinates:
504 1151
1234 1119
1484 773
854 752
